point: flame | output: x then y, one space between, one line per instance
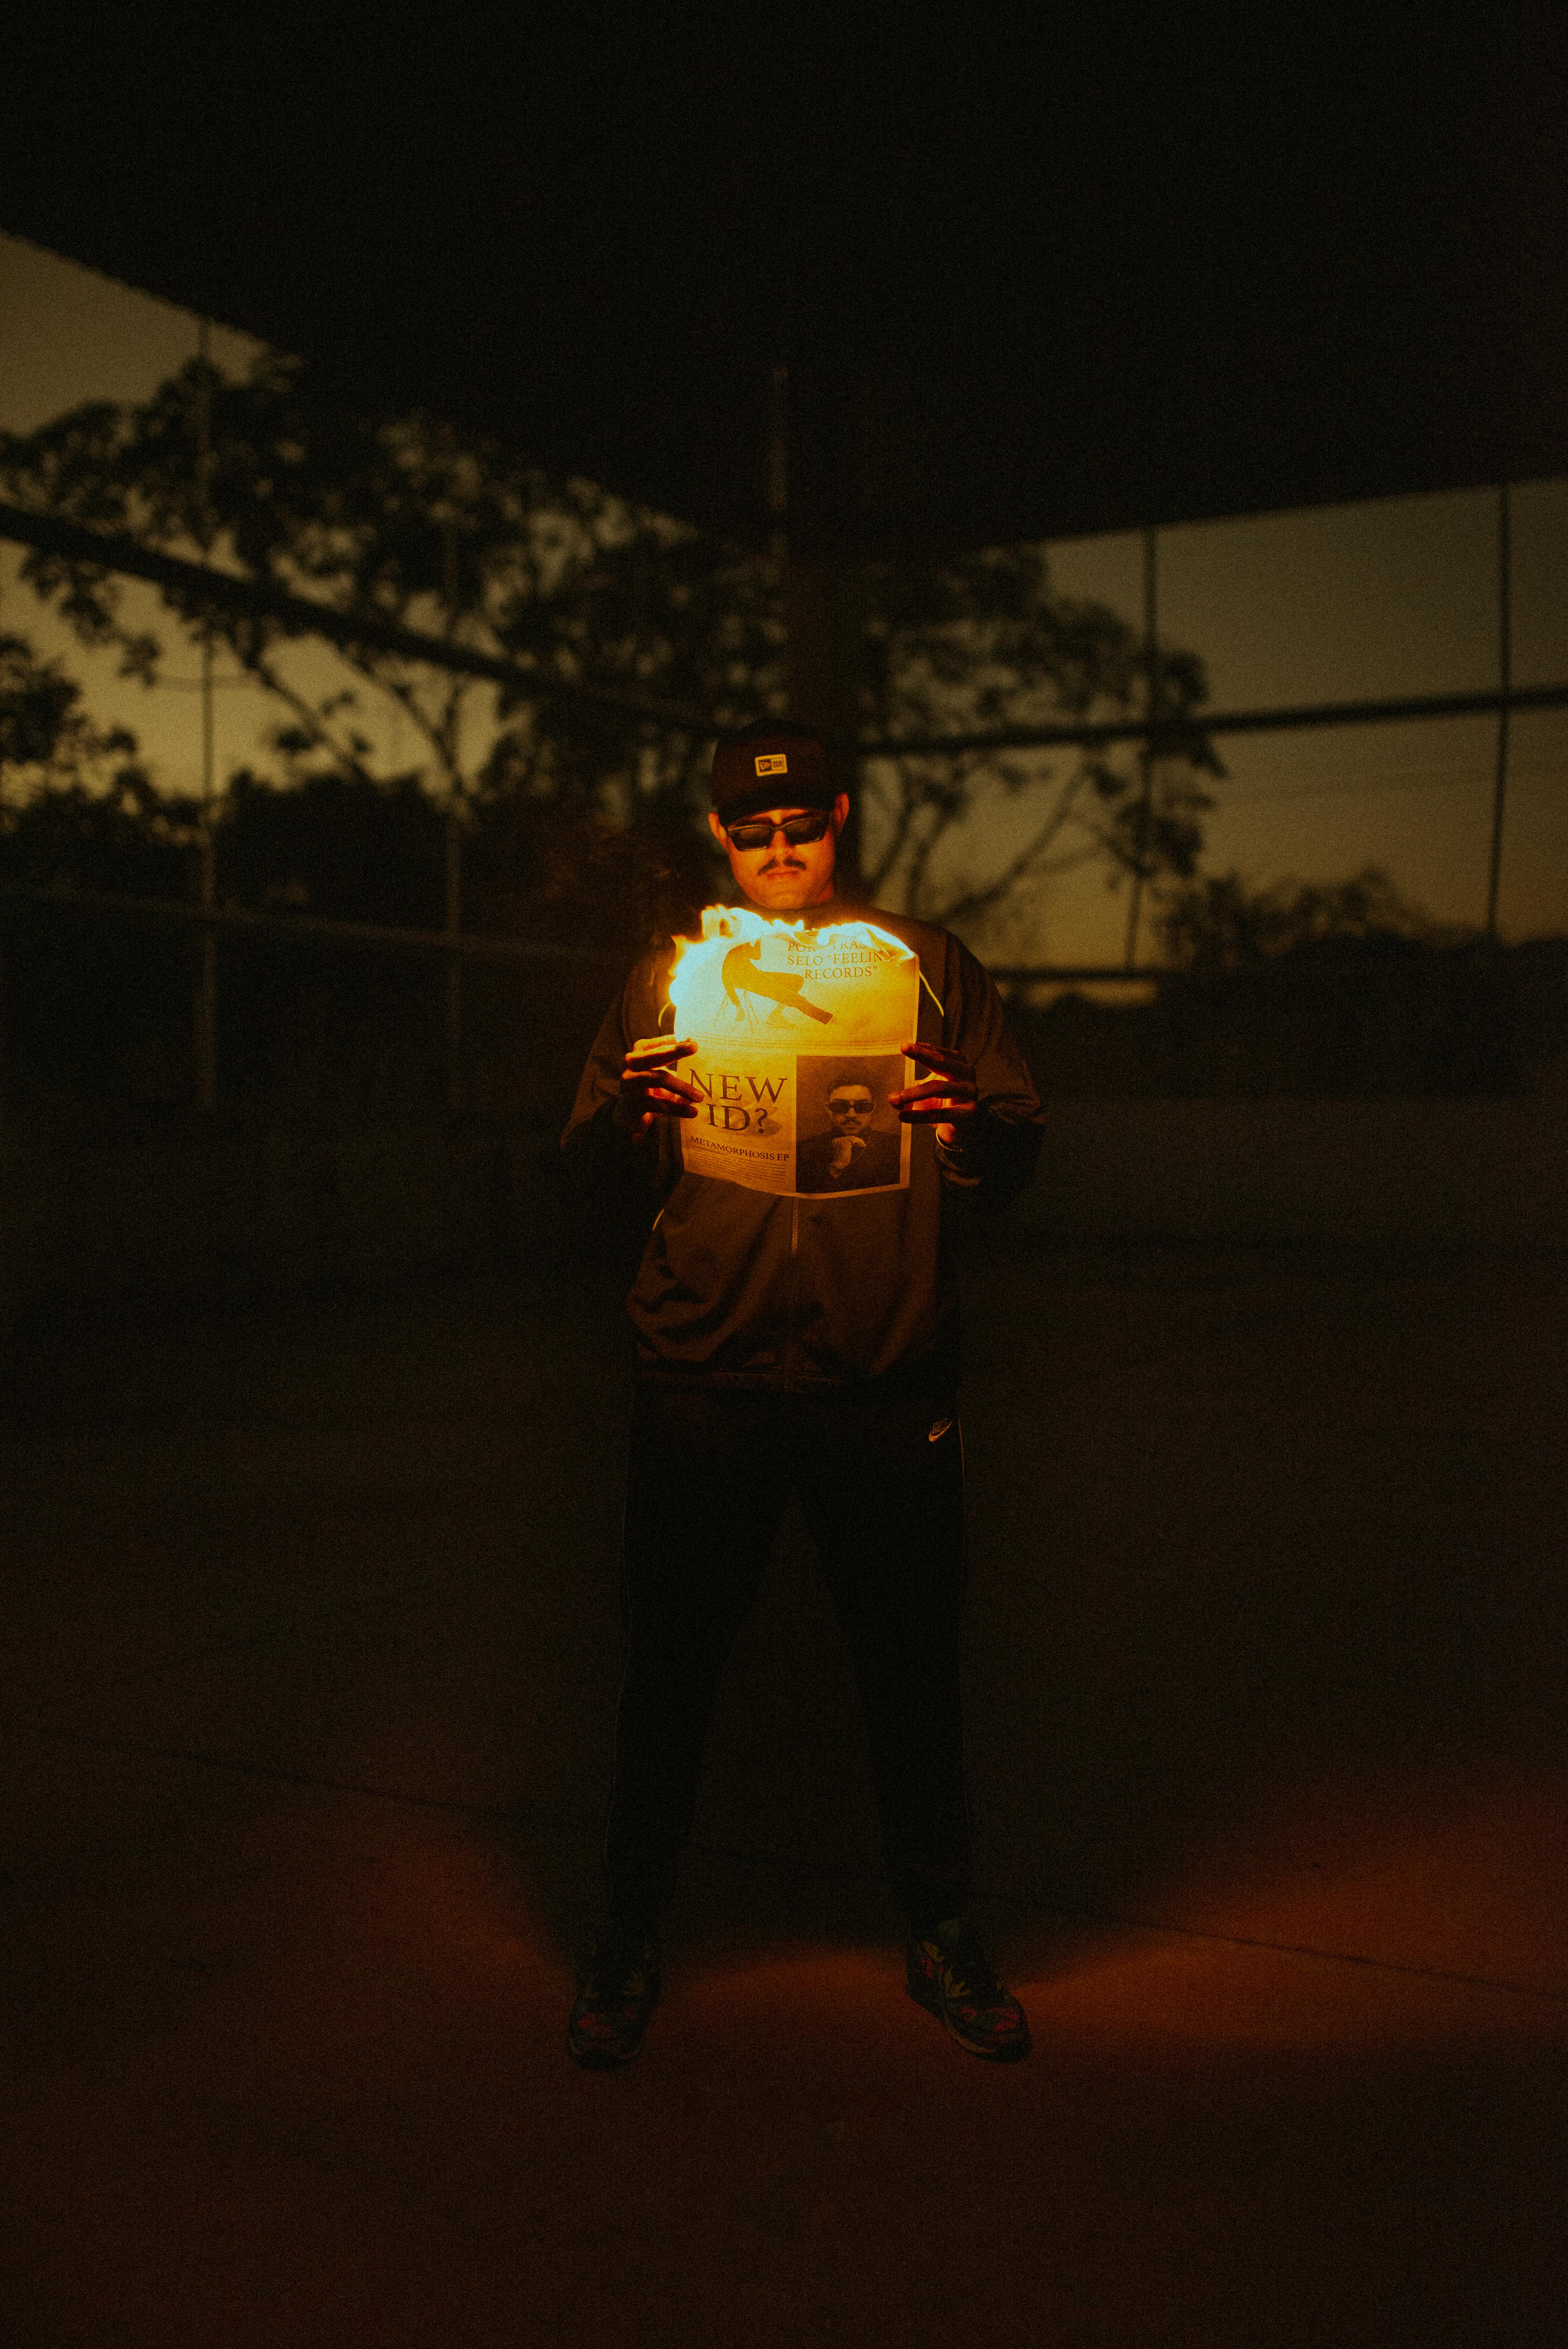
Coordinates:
726 927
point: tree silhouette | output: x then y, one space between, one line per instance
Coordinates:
409 520
1218 924
47 741
982 644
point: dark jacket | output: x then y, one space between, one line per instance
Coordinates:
755 1290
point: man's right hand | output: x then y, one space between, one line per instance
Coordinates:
649 1089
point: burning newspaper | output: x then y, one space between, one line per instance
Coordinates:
799 1034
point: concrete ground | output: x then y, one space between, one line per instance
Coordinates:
312 1618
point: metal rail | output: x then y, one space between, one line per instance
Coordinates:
482 949
302 616
295 925
1116 974
1223 721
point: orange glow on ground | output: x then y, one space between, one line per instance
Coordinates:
285 2060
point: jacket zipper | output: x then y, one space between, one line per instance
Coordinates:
794 1270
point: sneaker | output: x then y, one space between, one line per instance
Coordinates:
616 1995
953 1981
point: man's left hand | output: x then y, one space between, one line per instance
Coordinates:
949 1100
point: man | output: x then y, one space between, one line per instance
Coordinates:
806 1345
851 1155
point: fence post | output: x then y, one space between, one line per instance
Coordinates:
1152 652
454 923
452 839
207 881
1504 683
207 992
811 503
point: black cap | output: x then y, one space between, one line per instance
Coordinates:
770 767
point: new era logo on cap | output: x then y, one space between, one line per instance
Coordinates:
767 763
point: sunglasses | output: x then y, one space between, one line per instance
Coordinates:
798 831
850 1108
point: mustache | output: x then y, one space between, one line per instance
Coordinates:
784 865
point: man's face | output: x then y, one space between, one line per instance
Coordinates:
850 1107
777 872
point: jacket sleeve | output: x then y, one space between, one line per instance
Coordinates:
997 1156
613 1173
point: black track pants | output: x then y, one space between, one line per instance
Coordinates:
884 1502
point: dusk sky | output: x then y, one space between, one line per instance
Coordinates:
1394 597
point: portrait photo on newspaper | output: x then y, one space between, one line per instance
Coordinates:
846 1136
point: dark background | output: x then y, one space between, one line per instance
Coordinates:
1033 272
310 1599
